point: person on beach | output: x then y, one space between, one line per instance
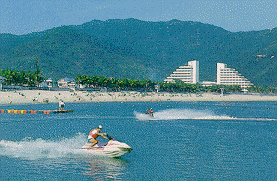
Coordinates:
93 134
61 105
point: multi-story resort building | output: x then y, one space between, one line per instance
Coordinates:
188 74
229 76
225 76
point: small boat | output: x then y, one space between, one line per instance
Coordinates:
113 148
62 111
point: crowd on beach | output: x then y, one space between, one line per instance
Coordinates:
44 96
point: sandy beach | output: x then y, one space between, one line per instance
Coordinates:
42 96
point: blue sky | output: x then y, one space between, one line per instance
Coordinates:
25 16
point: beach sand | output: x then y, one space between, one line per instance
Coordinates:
43 96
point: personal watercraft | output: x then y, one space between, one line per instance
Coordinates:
149 112
113 148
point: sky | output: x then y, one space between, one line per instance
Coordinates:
26 16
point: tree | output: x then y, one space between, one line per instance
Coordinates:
15 77
38 78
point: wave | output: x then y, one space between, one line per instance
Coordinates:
173 114
177 114
39 148
63 155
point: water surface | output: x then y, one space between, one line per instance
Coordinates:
184 141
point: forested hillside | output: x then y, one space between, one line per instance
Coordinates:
142 50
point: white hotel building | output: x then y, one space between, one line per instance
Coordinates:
225 76
229 76
188 74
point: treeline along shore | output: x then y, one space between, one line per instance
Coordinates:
120 90
34 79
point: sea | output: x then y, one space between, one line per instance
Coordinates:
183 141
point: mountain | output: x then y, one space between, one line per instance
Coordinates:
131 48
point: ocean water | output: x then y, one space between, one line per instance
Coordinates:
183 141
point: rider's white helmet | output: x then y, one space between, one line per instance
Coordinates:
100 126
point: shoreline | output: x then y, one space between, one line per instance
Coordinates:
44 96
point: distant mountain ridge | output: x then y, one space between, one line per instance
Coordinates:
131 48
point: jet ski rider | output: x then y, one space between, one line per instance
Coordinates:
150 112
94 133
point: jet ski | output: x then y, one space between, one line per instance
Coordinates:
113 148
149 112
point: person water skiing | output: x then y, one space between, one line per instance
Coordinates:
93 134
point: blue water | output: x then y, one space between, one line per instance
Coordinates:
184 141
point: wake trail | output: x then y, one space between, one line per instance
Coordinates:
35 149
190 114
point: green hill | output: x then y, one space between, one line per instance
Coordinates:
139 49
